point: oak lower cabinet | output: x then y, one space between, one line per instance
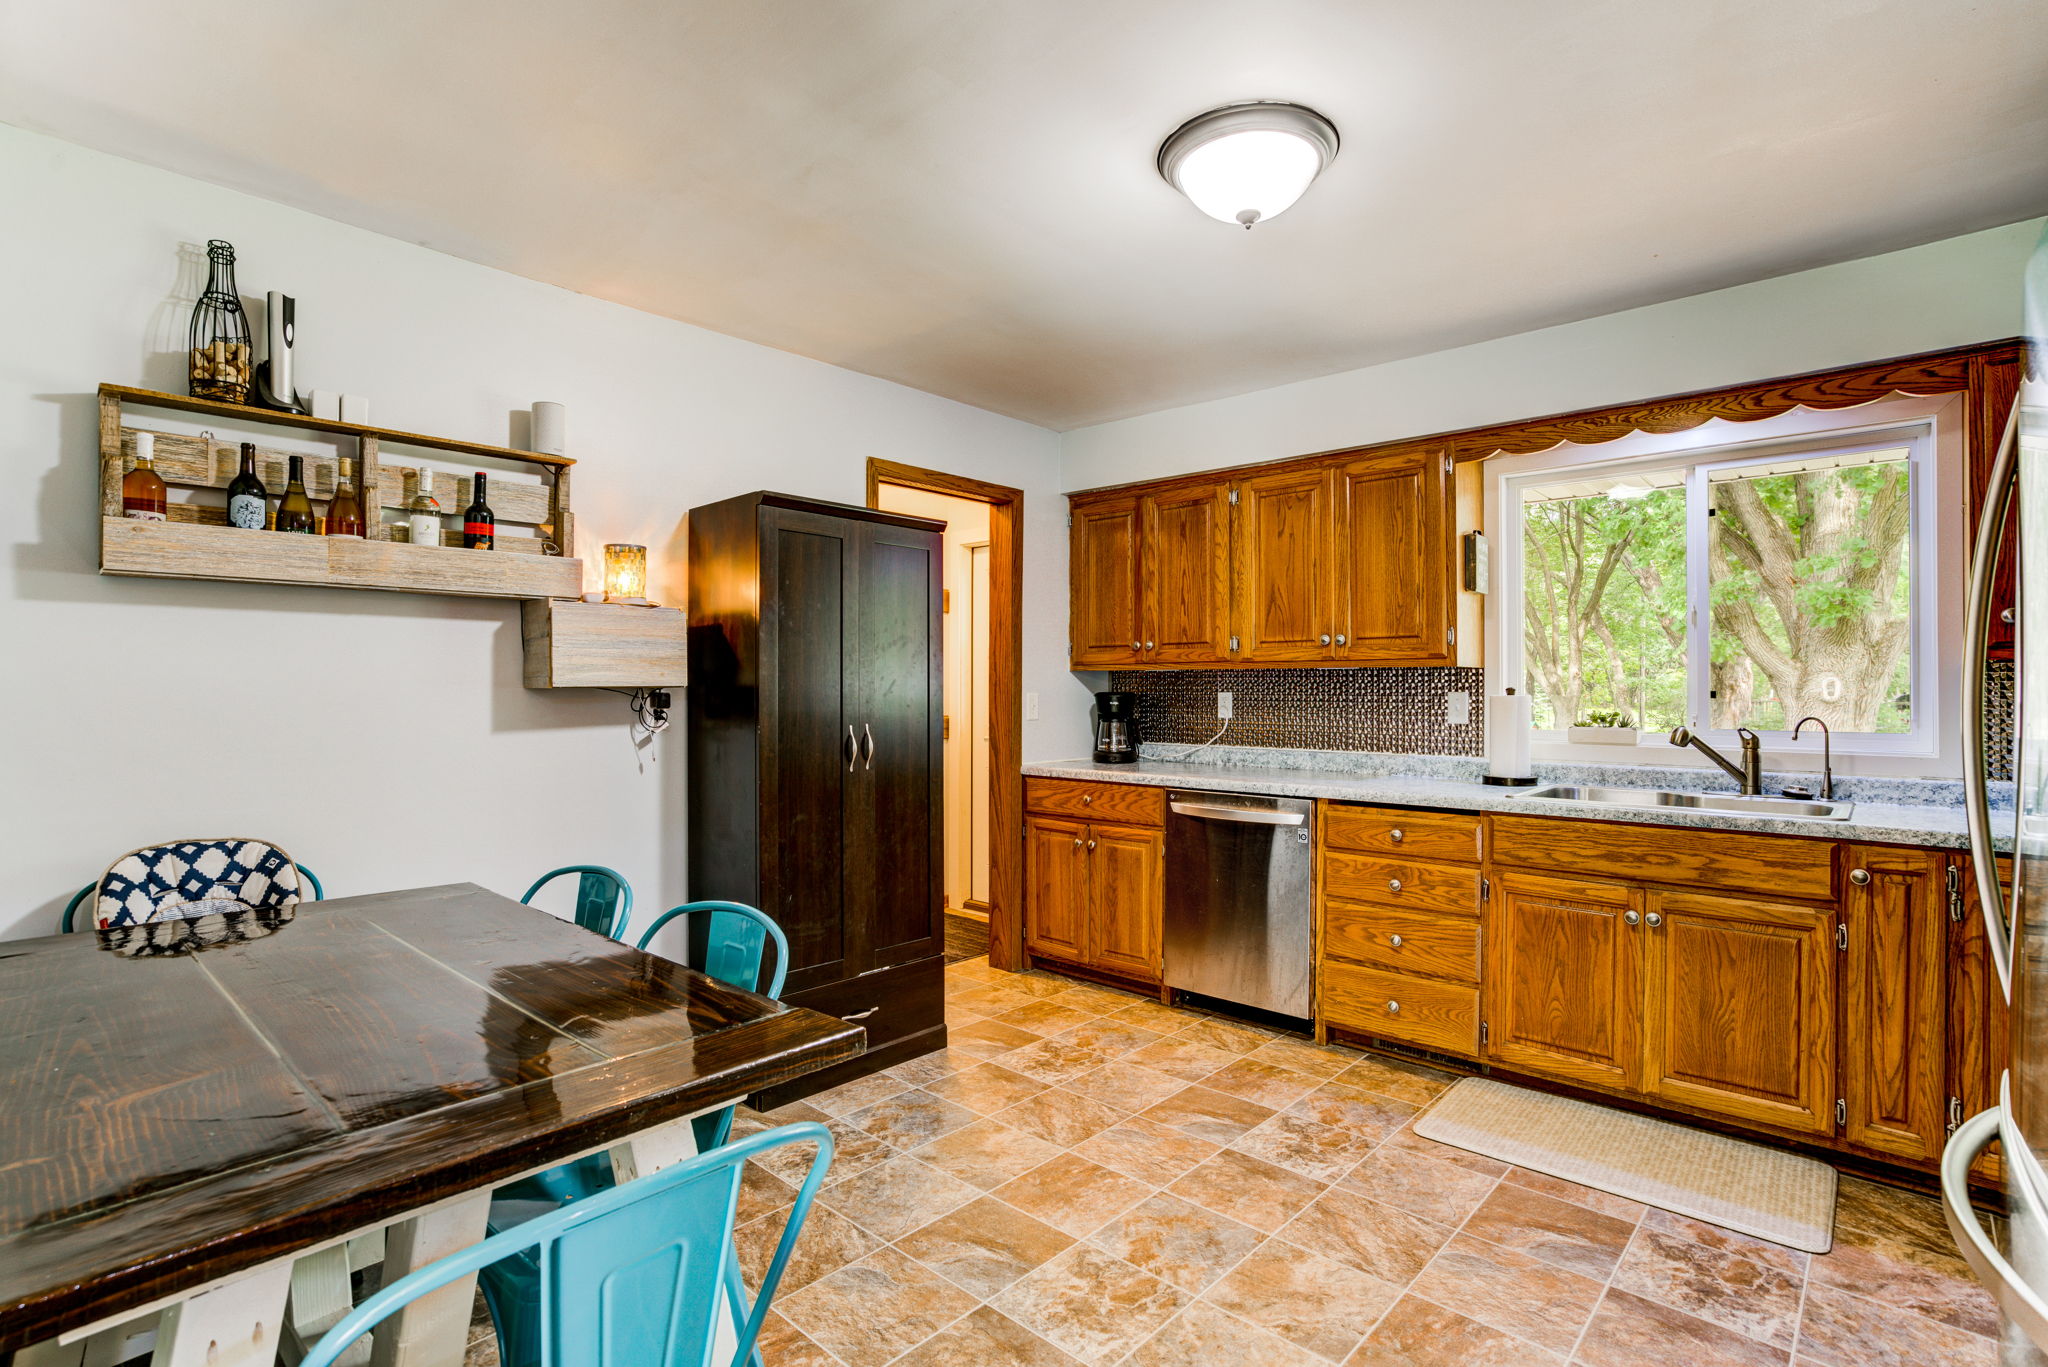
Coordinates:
1564 978
1896 908
1977 1012
814 756
1094 895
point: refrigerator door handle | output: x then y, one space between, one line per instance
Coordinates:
2014 1297
1991 522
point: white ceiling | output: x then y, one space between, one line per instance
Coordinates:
960 195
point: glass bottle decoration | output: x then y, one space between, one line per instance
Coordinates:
221 359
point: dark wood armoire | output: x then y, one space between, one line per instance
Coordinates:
816 782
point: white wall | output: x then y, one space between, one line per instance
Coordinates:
1949 293
384 738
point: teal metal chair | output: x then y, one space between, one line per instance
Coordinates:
631 1277
68 922
730 947
604 900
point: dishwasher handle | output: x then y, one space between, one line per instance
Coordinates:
1249 816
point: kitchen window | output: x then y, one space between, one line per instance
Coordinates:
1734 587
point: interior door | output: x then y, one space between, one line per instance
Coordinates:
1103 608
1741 1008
1284 608
1185 576
1896 910
1394 515
1126 872
1564 978
897 689
1056 888
808 615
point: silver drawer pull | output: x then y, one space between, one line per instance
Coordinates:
1393 1008
1394 940
1393 885
1395 835
1087 798
861 1015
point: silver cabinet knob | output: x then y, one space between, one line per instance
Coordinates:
1136 646
1394 940
1091 844
1148 645
1630 918
1340 638
1393 885
1077 842
1653 920
1395 835
1324 638
1087 798
1393 1008
1860 877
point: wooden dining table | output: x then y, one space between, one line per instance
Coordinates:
196 1128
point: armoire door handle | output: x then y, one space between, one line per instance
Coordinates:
867 746
852 748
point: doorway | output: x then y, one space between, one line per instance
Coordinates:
982 649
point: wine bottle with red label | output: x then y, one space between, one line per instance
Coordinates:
479 524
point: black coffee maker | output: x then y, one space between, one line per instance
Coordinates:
1116 728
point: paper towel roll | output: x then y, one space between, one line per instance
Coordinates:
1507 735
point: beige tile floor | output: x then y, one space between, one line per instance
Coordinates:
1086 1176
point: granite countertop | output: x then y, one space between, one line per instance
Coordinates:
1885 822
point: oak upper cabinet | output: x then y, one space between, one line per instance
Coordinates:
1740 1008
1184 575
1056 872
1564 978
1394 540
1126 881
1895 908
1284 608
1104 607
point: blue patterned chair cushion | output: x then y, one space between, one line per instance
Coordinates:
195 878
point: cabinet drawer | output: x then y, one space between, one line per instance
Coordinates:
1130 803
889 1003
1397 938
1402 883
1395 831
1732 861
1418 1011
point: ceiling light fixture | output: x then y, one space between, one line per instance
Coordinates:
1245 163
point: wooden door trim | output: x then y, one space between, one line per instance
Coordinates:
1006 683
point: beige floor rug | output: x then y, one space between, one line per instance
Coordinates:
1744 1187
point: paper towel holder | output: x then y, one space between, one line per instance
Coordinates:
1502 781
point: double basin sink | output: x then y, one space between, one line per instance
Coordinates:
1736 804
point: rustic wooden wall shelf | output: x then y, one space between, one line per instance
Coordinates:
196 543
572 644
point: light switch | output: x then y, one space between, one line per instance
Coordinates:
1030 707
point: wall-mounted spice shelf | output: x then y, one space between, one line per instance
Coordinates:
196 544
604 645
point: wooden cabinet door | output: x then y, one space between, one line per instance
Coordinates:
1896 911
897 855
1284 605
1740 1015
1393 516
1056 888
1977 1018
1564 978
1126 866
1184 577
1103 626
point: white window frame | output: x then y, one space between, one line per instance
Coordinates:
1926 428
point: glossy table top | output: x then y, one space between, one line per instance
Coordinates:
173 1117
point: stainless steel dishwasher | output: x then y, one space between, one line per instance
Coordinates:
1238 898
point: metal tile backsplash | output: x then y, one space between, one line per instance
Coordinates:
1384 711
1389 711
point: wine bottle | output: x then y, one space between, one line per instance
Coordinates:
295 510
143 495
423 514
345 510
248 500
479 524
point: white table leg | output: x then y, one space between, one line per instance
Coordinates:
111 1347
50 1353
366 1250
321 1294
433 1330
234 1324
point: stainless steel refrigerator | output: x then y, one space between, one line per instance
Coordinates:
2017 915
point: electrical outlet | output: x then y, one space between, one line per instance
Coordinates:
1030 707
1223 706
1457 709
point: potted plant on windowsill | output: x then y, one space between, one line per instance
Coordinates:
1604 728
